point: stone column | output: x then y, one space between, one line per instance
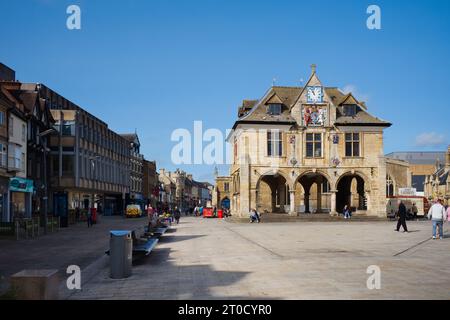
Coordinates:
307 202
254 198
319 197
292 202
273 196
333 203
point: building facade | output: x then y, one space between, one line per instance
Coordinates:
437 184
150 183
167 190
18 192
221 193
39 128
136 194
89 164
15 189
307 149
421 164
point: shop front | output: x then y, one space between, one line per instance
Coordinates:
4 187
20 195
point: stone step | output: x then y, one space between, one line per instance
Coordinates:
265 218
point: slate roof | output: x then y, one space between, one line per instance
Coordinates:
257 113
418 157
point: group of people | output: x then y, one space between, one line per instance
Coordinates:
438 214
153 215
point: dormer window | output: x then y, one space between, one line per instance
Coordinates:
350 110
274 109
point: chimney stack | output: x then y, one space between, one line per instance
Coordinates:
313 68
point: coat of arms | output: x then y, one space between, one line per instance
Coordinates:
314 116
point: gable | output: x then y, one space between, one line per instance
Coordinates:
274 100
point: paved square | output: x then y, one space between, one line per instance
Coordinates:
215 259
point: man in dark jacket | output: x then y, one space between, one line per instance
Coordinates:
177 215
401 217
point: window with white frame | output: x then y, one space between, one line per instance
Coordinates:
274 143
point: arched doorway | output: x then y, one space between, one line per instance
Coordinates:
314 193
351 192
273 194
225 203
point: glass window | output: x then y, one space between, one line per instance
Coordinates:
67 165
68 128
2 118
314 145
350 110
274 143
3 155
24 132
274 109
11 126
352 145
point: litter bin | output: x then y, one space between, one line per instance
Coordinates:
220 214
121 253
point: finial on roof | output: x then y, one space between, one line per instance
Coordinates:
313 68
273 82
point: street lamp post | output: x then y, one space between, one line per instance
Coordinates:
45 197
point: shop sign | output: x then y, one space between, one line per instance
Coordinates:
21 185
407 191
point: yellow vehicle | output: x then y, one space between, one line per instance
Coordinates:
133 211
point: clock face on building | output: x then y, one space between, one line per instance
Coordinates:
314 94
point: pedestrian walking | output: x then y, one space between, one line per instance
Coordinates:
414 210
177 215
89 218
402 217
448 213
77 214
438 215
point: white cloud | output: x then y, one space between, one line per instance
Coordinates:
354 90
429 139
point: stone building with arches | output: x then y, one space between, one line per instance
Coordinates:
311 149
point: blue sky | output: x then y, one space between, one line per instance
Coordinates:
159 65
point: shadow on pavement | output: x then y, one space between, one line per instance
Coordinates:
157 277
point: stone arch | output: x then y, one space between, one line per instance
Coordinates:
316 187
272 192
352 188
225 202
